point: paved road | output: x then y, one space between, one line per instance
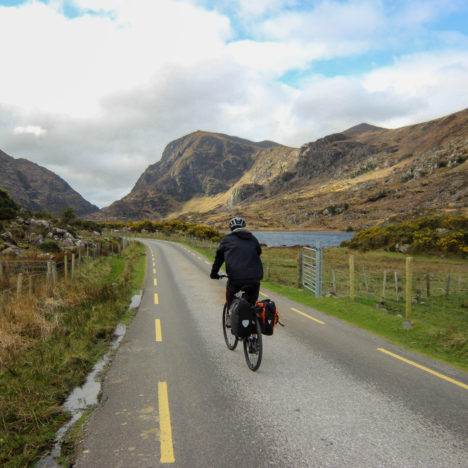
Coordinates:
326 394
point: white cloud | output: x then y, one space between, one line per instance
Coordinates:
35 130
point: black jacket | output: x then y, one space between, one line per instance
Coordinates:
241 251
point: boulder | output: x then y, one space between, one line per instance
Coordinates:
59 232
6 236
39 223
12 251
67 242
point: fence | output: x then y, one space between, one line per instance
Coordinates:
401 289
24 276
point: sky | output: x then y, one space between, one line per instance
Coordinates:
95 89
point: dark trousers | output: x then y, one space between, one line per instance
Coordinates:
251 290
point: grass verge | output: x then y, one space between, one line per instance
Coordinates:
51 343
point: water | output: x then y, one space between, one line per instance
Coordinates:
85 396
289 238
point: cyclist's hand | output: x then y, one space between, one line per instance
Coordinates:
214 275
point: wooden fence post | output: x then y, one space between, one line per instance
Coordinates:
447 289
428 285
73 266
334 280
65 267
1 270
49 272
54 272
366 282
384 285
409 285
397 290
30 286
351 277
19 284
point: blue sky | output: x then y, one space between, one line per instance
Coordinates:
95 89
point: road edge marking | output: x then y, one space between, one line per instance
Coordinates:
424 368
167 450
308 316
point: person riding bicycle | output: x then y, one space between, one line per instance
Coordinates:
240 251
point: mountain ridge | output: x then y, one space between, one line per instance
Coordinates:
36 188
350 179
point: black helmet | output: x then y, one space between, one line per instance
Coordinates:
236 222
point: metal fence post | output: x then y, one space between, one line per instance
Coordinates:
299 269
319 262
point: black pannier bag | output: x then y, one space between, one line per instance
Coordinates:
268 315
241 317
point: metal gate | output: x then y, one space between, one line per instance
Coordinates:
312 262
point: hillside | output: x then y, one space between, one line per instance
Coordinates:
201 164
361 177
38 189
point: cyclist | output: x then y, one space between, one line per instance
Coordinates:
240 251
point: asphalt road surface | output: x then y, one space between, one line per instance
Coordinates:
326 394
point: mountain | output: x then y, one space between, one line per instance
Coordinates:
358 178
362 128
38 189
201 164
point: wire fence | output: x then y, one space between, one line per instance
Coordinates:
23 276
402 290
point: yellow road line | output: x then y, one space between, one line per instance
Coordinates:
156 298
155 282
426 369
167 450
154 271
308 316
208 263
154 264
263 294
157 324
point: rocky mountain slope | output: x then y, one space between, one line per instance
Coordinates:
201 164
38 189
364 176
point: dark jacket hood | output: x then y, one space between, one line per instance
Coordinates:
243 233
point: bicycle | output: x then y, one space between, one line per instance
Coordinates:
253 344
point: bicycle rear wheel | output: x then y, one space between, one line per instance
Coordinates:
253 347
229 338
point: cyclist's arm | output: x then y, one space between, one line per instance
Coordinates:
218 261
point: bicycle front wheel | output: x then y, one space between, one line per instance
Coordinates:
229 338
253 347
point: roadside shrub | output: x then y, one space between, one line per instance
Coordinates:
437 234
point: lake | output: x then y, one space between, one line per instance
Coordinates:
288 238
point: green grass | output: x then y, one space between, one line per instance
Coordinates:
37 380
